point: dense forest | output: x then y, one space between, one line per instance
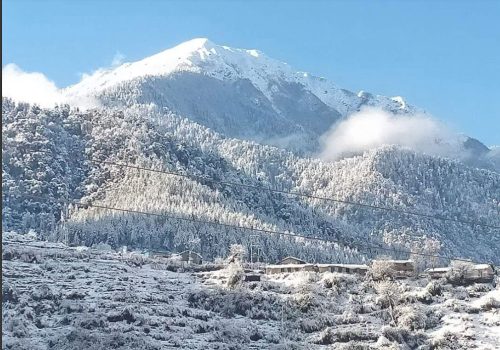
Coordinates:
51 157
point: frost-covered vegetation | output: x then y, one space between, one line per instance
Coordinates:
69 298
49 152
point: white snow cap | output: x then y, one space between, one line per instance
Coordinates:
201 55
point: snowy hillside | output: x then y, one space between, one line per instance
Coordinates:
49 152
58 297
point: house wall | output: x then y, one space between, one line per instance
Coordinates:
314 268
191 256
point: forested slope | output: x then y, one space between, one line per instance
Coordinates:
52 153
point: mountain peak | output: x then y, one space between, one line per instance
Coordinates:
200 55
193 45
272 79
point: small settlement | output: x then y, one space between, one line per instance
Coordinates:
187 256
481 273
292 264
470 272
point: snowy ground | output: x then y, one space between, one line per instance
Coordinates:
55 297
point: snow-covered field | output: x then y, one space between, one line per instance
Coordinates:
55 297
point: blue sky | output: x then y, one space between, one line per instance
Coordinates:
443 56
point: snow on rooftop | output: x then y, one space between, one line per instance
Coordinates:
349 266
481 266
278 266
439 269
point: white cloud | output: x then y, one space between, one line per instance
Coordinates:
36 88
29 87
371 128
117 59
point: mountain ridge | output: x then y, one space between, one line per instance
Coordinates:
244 94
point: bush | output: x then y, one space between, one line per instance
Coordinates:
19 327
305 302
203 327
489 303
338 281
125 315
310 325
9 293
404 336
447 340
44 292
231 303
92 322
381 270
235 275
477 289
8 253
412 318
75 295
135 260
81 338
228 332
330 336
434 288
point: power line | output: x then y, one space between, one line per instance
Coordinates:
260 231
299 194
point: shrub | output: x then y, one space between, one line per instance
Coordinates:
230 303
18 327
330 336
412 318
125 315
380 270
339 281
75 295
8 253
30 256
44 292
310 325
447 340
228 332
235 275
434 288
404 336
305 302
9 293
135 260
90 322
70 307
477 289
489 303
389 295
202 327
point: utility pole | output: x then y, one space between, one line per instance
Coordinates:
254 244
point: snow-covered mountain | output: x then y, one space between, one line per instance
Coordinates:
215 111
248 95
240 93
